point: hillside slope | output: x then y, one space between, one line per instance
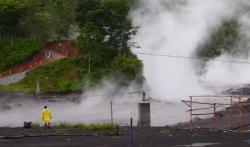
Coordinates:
72 75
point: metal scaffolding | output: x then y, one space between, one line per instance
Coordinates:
230 102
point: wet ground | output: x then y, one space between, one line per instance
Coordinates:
151 137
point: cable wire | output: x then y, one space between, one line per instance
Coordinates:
110 95
192 58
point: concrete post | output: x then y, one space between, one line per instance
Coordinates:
144 113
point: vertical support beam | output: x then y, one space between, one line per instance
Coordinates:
111 112
240 112
191 113
130 137
214 117
231 114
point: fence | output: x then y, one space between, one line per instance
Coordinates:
229 105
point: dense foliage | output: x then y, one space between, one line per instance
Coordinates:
128 65
106 23
101 29
24 23
22 50
105 31
36 19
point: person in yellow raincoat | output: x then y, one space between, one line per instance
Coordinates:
46 116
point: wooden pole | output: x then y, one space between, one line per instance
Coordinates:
190 120
240 111
111 112
231 113
214 117
130 137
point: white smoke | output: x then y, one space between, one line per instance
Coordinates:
91 107
178 28
173 27
234 73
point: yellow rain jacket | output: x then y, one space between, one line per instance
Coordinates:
46 115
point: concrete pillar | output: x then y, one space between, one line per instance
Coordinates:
144 114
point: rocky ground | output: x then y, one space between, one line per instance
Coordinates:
149 137
243 90
8 100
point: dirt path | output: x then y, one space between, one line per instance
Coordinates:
13 78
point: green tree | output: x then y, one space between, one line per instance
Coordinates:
115 23
128 65
83 8
223 40
11 12
50 19
109 21
63 16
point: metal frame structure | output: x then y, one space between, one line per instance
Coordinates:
213 106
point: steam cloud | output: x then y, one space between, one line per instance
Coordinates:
173 27
177 28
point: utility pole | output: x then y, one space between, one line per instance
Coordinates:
111 112
37 88
130 133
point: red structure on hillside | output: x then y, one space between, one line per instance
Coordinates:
65 48
50 51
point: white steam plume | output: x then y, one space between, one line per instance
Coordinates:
174 27
178 28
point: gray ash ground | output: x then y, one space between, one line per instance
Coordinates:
147 137
8 100
243 90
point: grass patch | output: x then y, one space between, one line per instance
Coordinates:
90 127
165 131
57 132
80 126
64 125
35 125
100 127
57 77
